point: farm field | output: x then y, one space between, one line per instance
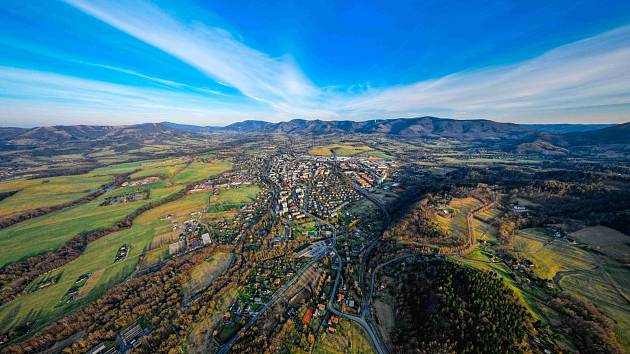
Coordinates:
233 198
47 192
606 240
199 170
48 232
455 224
44 304
166 169
339 150
551 256
348 338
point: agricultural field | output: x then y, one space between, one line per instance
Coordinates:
200 170
233 198
166 169
455 223
606 240
550 256
98 259
348 338
46 192
339 150
48 232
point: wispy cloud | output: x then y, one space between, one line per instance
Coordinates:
588 80
40 98
590 73
214 51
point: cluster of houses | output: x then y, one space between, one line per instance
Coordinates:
126 340
192 237
306 183
122 253
562 235
266 278
73 292
141 182
368 174
126 198
228 180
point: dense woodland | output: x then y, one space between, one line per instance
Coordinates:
444 307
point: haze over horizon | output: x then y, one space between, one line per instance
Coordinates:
105 63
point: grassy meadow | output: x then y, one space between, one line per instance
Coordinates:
455 223
200 170
47 192
98 259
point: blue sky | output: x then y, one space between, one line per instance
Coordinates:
216 62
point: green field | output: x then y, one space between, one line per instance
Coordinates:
166 169
48 232
550 256
348 338
98 258
606 240
339 150
233 198
46 192
455 224
199 170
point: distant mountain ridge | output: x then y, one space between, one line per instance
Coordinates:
554 138
77 133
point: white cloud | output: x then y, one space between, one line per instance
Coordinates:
590 73
30 98
588 80
214 51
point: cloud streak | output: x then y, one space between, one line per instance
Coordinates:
275 81
588 80
60 99
589 73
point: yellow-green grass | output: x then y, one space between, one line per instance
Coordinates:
160 171
456 223
233 198
200 170
339 150
597 288
550 256
137 165
205 272
44 305
50 231
606 240
348 338
483 224
378 154
47 192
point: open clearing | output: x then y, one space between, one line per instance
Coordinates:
204 273
200 170
339 150
48 232
47 192
348 338
550 256
233 198
455 224
44 305
606 240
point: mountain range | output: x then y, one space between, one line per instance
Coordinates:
547 137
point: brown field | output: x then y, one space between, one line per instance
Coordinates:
606 240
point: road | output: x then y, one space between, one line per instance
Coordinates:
276 296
